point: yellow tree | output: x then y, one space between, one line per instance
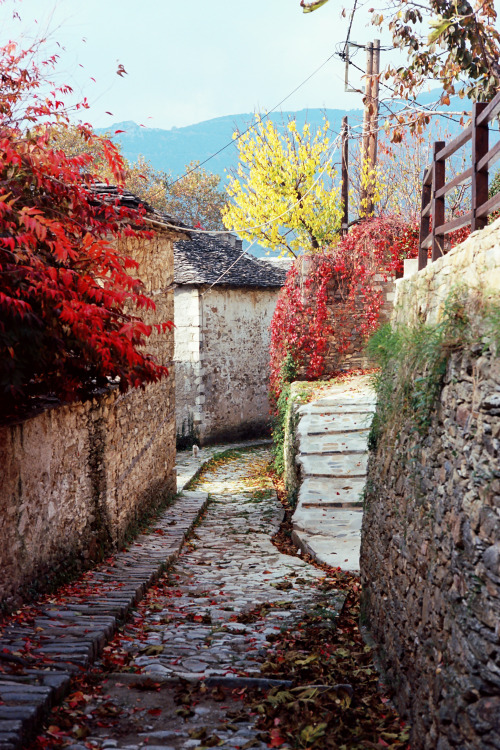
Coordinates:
283 192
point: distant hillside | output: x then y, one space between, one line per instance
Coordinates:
171 150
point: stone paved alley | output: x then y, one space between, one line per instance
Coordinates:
202 633
187 627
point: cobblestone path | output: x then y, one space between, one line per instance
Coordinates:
207 621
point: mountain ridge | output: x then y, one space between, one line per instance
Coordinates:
172 149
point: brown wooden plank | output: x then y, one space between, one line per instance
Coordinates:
427 210
438 181
424 224
426 243
490 158
479 176
448 150
488 206
428 175
457 223
489 111
458 180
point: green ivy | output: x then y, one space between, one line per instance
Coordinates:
413 360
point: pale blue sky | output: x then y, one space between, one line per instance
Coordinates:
191 60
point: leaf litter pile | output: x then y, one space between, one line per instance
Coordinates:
328 693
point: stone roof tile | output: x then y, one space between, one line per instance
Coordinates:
109 193
218 259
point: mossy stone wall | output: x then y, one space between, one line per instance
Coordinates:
430 554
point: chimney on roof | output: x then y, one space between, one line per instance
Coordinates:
230 238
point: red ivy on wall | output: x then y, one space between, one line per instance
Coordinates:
303 327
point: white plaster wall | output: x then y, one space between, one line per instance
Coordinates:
235 357
188 368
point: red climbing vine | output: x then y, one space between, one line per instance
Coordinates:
324 313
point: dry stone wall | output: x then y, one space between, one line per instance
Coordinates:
76 477
430 556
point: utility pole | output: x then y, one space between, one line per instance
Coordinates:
370 123
372 144
345 176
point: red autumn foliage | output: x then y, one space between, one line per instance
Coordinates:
302 328
69 308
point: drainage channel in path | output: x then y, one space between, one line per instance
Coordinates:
192 627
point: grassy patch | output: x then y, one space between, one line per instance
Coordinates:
413 361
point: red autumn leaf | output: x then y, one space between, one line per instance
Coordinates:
154 711
276 740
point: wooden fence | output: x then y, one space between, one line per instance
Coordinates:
435 186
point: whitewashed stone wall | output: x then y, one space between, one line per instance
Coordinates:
188 365
74 478
222 360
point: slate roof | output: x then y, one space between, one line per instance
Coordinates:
109 193
207 259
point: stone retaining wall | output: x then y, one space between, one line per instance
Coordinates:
430 556
75 477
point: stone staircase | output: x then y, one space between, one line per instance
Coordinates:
332 437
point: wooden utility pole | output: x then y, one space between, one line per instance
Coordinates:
373 136
345 176
367 99
370 123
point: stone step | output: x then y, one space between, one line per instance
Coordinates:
336 465
318 424
339 406
330 522
330 491
338 553
344 442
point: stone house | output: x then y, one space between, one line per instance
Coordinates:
75 477
224 302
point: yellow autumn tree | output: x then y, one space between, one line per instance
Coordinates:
283 193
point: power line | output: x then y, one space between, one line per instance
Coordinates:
250 127
393 91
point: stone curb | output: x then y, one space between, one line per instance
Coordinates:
67 639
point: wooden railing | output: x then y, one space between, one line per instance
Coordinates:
435 187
